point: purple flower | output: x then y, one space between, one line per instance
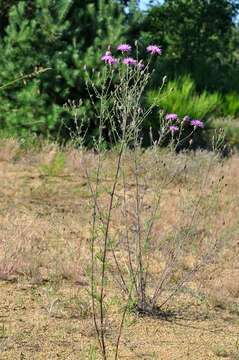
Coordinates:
171 117
108 58
129 61
173 128
197 123
154 50
124 48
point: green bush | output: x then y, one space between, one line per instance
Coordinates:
199 38
180 97
230 105
64 36
231 130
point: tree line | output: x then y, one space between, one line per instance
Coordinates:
199 38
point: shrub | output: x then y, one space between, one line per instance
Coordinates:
231 130
62 36
179 96
230 105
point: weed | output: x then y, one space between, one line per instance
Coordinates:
221 351
121 204
55 166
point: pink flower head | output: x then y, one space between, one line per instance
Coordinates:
129 61
124 48
108 58
173 128
171 117
197 123
154 50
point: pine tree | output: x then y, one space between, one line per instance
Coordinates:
64 36
196 38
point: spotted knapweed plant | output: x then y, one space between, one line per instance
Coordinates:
124 234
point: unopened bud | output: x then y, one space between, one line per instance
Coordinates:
186 119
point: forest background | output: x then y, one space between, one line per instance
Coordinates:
67 38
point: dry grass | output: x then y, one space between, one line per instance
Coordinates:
45 208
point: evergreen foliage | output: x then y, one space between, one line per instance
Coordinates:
64 36
231 105
197 37
180 97
200 38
